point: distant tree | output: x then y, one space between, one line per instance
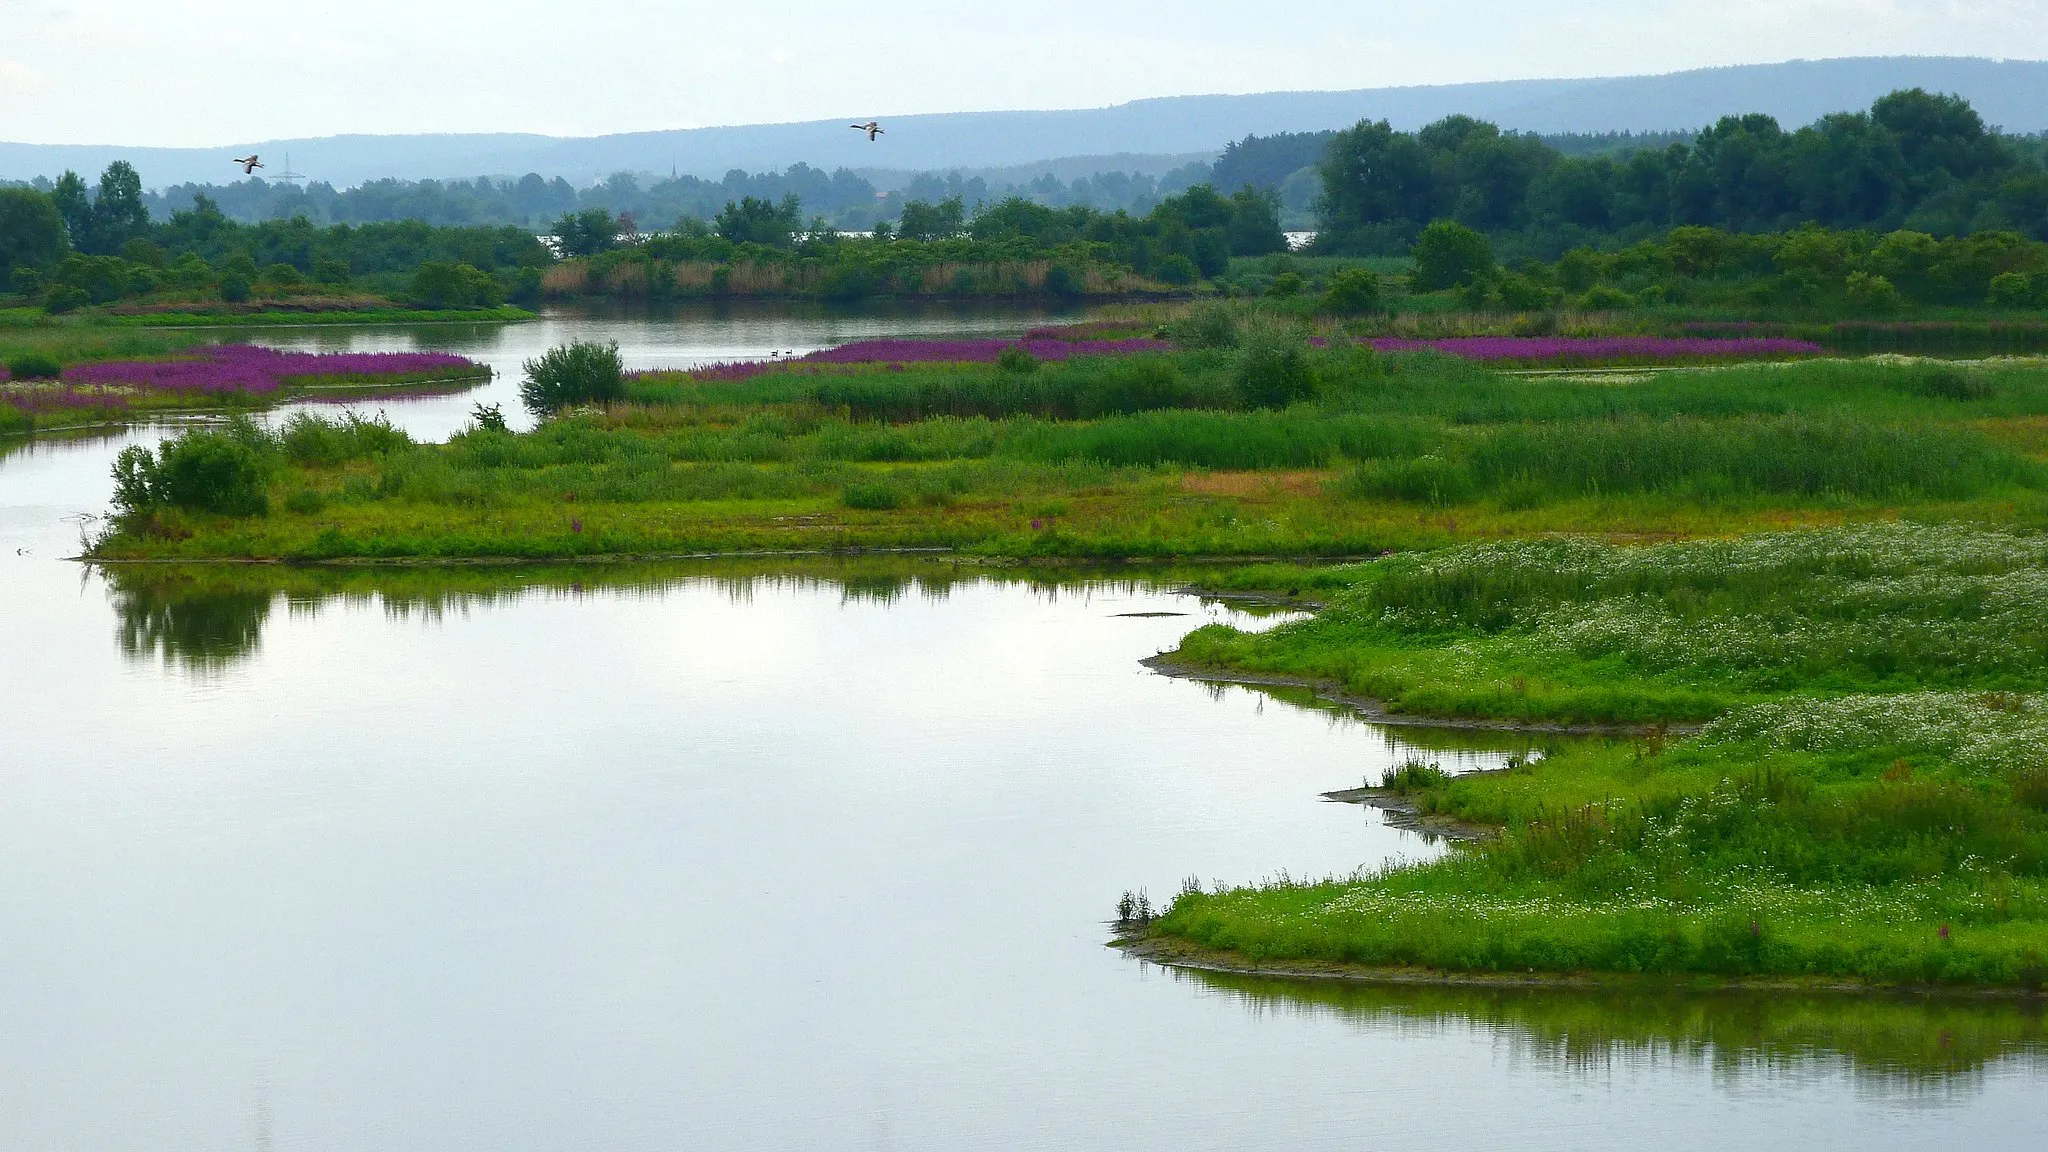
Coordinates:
1448 254
941 221
31 231
75 206
439 284
755 221
586 233
118 212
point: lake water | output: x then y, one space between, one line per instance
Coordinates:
811 855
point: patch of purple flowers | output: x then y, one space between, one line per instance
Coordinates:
231 369
1596 349
249 369
934 352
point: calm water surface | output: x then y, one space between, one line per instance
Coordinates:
642 858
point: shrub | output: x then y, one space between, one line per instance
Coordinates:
234 287
1353 292
438 284
572 374
62 298
1177 270
1448 254
34 366
308 439
328 270
1286 286
848 282
1016 359
1063 282
489 418
1872 294
204 470
1207 326
1605 298
1273 372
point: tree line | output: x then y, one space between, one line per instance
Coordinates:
1915 161
75 245
846 198
1185 238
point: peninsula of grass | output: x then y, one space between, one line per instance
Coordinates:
1867 801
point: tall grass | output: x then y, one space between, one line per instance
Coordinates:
1795 455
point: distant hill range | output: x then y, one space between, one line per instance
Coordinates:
2012 94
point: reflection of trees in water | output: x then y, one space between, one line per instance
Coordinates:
1937 1046
204 626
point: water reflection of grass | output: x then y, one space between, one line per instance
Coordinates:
1890 1042
207 616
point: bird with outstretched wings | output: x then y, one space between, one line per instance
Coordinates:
872 128
249 163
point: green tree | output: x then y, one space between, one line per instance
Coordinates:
572 374
586 233
75 206
941 221
756 221
31 231
440 284
118 211
1448 254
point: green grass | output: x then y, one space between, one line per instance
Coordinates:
1869 800
1160 455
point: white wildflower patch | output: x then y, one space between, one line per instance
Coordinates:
1987 731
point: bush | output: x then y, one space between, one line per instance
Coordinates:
1872 294
1448 254
34 366
328 270
2011 290
1206 326
1064 282
1605 298
1016 359
438 284
308 439
572 374
1273 372
1286 286
204 470
1177 270
234 287
1353 292
62 298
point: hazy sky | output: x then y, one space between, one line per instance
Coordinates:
204 72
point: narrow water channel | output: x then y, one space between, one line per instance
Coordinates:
817 855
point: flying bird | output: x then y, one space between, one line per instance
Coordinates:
872 128
249 163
